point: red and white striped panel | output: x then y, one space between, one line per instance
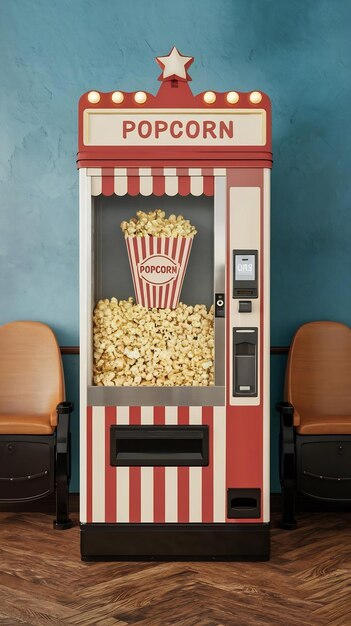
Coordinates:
149 181
154 494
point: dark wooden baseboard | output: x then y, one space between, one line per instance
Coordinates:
66 350
69 350
47 505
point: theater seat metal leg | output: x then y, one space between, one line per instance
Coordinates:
288 521
62 520
287 465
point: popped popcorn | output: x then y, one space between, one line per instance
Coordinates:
136 346
156 224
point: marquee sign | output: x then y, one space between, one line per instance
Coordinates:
174 127
122 128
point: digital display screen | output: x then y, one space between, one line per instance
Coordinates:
245 267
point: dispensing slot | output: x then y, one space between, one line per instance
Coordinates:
159 445
245 361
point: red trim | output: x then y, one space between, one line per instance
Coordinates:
110 472
207 171
158 182
183 474
89 464
244 424
135 475
230 437
133 182
208 185
182 171
173 158
207 472
183 181
184 185
108 181
159 185
263 321
157 171
159 474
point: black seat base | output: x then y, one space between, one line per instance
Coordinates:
27 467
323 466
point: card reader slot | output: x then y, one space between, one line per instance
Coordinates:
245 361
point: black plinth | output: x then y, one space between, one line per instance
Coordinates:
190 542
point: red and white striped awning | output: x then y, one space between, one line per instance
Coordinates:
149 181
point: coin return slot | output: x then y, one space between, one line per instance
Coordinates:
243 503
159 445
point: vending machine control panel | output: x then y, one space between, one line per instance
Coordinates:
245 274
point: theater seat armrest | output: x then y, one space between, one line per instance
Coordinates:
64 410
64 407
286 411
61 408
287 441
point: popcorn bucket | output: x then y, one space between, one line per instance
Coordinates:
158 267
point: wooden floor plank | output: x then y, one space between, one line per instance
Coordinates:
43 582
5 620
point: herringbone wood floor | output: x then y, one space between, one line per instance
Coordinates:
306 583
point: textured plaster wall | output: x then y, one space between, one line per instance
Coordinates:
298 51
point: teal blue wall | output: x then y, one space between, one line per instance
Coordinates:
298 51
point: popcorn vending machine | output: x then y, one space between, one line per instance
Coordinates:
174 321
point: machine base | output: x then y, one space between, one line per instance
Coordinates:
189 542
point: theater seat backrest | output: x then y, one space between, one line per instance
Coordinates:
318 375
31 376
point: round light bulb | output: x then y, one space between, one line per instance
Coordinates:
140 97
232 97
117 97
255 97
210 97
93 97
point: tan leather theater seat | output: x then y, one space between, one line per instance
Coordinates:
29 389
325 425
25 424
318 384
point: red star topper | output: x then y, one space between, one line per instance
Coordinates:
174 66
